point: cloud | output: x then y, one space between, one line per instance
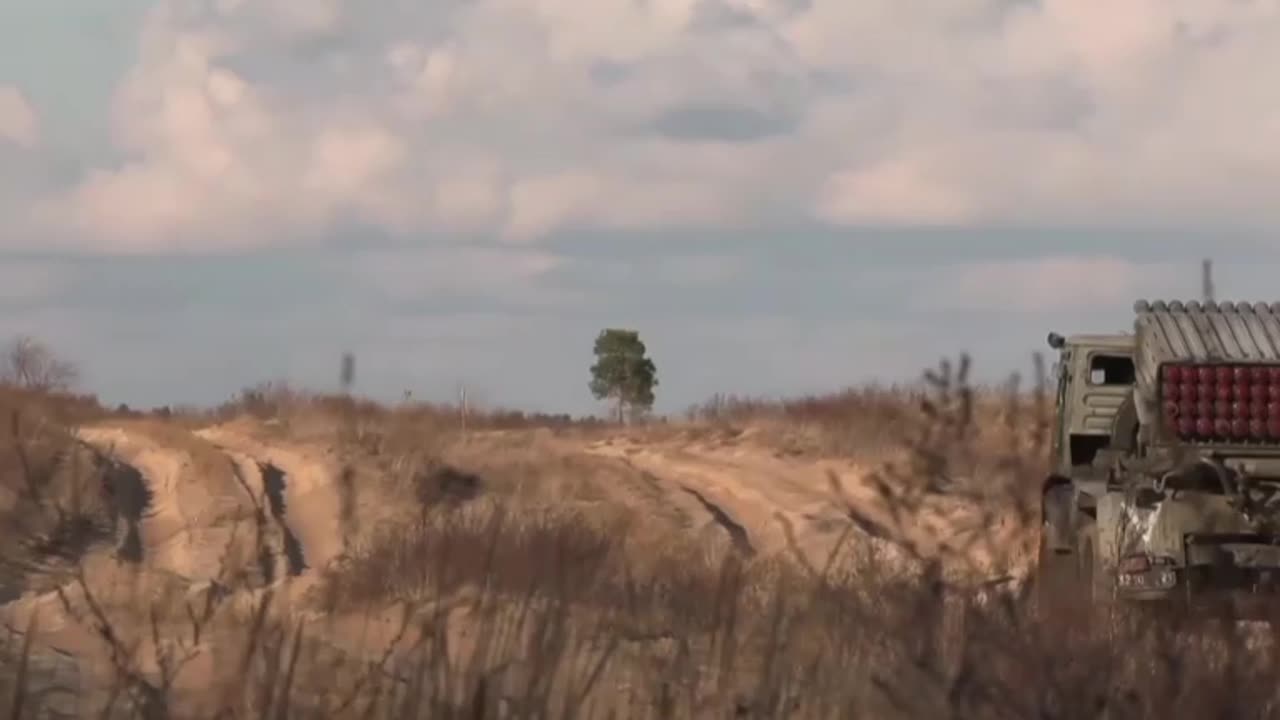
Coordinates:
19 123
516 276
1064 283
901 190
701 270
249 123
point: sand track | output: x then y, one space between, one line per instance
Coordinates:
179 511
768 505
299 492
275 540
196 513
764 505
200 504
179 494
177 506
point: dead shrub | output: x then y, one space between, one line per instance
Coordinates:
508 612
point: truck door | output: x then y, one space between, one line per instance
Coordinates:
1062 426
1107 378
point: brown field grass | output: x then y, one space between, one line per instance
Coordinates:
512 583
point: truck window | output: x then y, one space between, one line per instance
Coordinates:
1111 370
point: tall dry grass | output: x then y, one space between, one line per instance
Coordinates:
497 613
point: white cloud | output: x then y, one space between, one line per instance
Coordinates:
902 190
19 123
256 122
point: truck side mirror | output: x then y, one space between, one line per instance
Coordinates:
1056 341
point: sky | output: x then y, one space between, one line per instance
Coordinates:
782 196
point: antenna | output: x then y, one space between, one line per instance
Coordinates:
462 407
1206 280
347 376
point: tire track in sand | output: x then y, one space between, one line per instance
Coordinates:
667 503
683 483
788 506
301 493
179 502
765 507
265 483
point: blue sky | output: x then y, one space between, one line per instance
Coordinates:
783 196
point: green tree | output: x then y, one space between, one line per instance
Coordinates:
622 372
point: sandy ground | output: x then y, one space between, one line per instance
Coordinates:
746 493
773 504
195 506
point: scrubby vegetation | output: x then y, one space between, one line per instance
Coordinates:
486 606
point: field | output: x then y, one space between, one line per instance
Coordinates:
864 554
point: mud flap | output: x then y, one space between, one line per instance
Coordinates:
1058 572
1095 587
1057 519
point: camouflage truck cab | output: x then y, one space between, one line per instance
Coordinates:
1165 482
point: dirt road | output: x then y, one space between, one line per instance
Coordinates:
756 499
771 504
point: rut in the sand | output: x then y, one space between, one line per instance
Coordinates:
737 533
130 499
273 486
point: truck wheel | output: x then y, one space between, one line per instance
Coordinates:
1055 573
1094 588
1055 582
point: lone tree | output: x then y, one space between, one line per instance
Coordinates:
622 372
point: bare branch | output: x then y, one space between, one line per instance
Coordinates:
31 364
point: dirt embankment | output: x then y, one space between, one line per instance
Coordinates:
232 509
195 514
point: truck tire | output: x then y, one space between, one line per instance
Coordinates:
1056 580
1057 572
1095 589
1054 574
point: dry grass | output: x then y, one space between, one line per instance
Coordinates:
484 608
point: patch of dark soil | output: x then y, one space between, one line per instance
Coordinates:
348 519
266 563
12 582
737 533
274 481
71 537
447 485
130 499
266 557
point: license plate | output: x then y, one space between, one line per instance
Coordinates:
1151 580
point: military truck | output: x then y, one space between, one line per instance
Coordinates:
1164 488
